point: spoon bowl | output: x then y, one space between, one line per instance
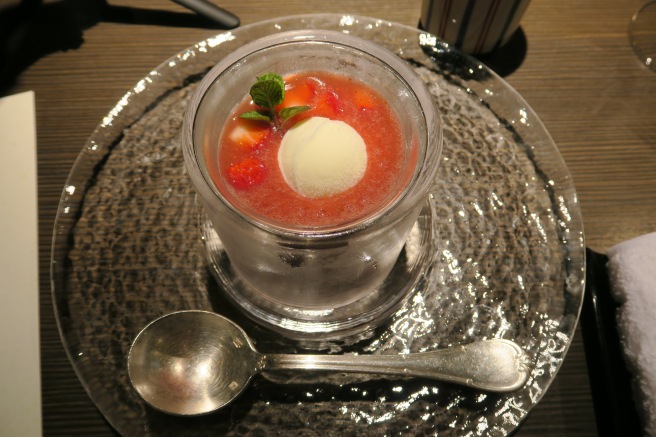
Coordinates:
194 362
191 362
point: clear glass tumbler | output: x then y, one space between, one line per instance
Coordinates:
642 33
304 281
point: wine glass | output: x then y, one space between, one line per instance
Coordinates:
642 33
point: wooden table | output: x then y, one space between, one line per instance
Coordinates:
579 74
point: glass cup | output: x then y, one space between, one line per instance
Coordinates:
474 27
313 282
642 33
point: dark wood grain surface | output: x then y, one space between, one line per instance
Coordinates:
579 74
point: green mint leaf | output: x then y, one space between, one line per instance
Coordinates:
256 115
268 91
287 113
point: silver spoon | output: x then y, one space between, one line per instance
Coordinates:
195 362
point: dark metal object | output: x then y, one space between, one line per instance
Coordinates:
211 11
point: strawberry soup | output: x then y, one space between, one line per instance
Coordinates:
249 174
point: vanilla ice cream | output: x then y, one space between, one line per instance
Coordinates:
320 157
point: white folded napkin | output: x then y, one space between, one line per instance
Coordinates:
632 271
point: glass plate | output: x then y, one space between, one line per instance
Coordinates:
506 259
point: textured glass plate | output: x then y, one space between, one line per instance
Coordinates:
507 257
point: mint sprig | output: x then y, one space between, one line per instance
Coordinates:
286 113
256 115
267 92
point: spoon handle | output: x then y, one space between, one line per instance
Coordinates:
493 365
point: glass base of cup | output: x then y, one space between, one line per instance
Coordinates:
351 320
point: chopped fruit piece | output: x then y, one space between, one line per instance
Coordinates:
315 84
299 94
333 101
246 173
329 104
363 100
248 133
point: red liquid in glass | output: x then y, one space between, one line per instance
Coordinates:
248 175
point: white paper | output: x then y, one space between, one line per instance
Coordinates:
20 379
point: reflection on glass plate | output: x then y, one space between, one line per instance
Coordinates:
507 259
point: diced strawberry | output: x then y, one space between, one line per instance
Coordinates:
249 133
363 100
333 102
246 173
299 94
315 84
329 104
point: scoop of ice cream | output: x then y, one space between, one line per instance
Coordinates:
320 157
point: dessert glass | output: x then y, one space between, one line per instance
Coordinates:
313 282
